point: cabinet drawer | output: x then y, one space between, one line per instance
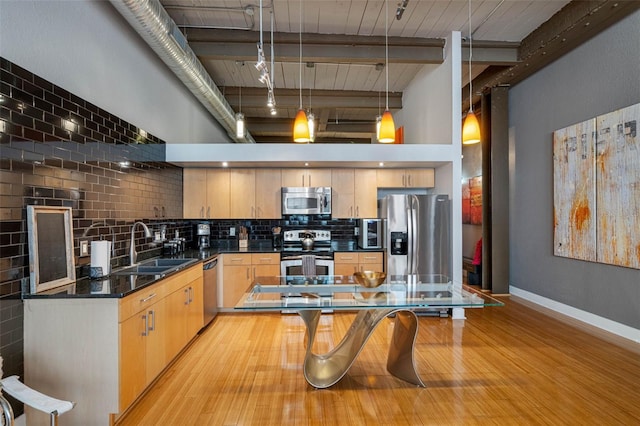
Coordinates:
265 259
236 259
346 257
177 281
141 300
374 257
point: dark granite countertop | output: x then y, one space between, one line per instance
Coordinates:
118 286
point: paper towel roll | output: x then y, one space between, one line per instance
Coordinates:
100 259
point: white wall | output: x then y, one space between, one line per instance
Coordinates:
87 48
428 100
600 76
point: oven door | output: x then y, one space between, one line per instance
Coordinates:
293 266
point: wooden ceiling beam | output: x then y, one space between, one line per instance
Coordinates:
572 26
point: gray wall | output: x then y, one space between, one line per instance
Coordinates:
598 77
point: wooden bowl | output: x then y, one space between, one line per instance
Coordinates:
369 279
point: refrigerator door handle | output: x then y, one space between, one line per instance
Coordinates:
413 241
410 236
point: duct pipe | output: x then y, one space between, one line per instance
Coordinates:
156 27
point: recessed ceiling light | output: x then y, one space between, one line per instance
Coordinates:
225 164
306 164
381 164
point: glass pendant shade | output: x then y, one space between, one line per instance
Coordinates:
387 133
470 129
301 127
311 119
240 128
378 121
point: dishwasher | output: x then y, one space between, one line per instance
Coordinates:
210 290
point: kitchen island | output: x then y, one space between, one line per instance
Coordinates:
102 343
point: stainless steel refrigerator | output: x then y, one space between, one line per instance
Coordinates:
418 235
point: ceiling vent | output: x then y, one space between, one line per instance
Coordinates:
157 28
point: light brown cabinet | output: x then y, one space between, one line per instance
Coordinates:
346 263
165 318
306 177
231 194
354 193
239 271
242 193
185 317
205 193
405 178
119 345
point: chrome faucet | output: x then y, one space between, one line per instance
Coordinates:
133 254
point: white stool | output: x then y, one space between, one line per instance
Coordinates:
52 406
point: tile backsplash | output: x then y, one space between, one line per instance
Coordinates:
57 149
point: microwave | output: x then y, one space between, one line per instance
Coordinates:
371 234
306 200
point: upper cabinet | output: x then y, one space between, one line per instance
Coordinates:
231 194
268 198
205 193
405 178
353 193
242 193
306 177
255 193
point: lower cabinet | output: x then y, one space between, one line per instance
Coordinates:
103 353
346 263
239 271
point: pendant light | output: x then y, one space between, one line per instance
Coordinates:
311 119
387 133
301 123
240 127
471 127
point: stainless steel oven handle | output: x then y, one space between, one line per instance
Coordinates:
288 258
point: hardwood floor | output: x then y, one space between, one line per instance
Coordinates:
502 366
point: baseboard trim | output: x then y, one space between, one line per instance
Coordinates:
611 331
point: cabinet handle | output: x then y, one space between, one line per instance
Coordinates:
351 211
346 258
152 315
146 326
309 180
236 259
303 179
403 180
247 273
149 297
190 295
186 296
409 179
357 211
202 212
371 257
208 212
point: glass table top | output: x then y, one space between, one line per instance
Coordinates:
342 292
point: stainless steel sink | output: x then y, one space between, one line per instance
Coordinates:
165 262
156 267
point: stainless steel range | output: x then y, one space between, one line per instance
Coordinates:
306 252
300 256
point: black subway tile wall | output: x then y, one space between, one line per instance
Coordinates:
56 149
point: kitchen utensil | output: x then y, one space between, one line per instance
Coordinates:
307 242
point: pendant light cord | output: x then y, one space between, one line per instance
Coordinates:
300 68
470 55
386 52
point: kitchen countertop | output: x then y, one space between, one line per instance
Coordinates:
118 286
